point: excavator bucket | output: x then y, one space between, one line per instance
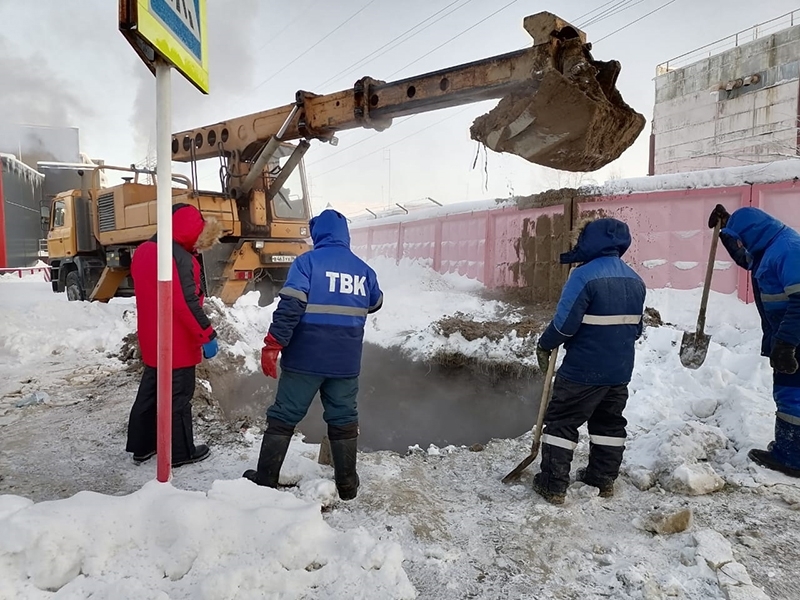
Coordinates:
569 114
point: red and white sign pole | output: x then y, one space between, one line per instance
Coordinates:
164 250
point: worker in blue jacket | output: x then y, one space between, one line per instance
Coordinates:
318 328
770 250
598 319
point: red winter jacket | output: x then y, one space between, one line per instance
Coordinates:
190 325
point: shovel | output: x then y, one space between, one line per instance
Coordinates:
694 346
537 430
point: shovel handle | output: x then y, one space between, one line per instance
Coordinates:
546 393
701 317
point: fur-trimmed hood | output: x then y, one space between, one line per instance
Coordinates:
593 238
212 231
191 230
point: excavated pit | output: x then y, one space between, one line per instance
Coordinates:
449 400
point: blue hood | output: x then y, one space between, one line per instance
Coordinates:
603 237
755 228
329 228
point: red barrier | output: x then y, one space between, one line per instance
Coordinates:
20 271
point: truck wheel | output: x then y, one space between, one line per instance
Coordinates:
73 287
268 290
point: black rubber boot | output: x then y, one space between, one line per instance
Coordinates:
344 452
200 452
549 495
767 459
553 479
605 486
274 446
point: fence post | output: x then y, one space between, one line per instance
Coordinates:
437 246
488 251
399 253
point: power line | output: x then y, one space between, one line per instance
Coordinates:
310 48
442 45
272 38
393 143
377 53
655 10
623 9
351 146
577 19
606 13
451 116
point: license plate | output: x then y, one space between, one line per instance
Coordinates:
282 258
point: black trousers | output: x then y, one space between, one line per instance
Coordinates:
142 422
571 406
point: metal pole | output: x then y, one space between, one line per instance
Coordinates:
164 250
3 257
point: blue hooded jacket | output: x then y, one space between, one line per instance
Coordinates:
599 315
324 304
770 250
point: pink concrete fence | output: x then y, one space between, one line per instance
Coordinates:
670 247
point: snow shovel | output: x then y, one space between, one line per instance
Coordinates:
694 346
537 430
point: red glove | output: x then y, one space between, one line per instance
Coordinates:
269 356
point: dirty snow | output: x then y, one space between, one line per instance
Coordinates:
436 519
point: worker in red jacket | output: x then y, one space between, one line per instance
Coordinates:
193 337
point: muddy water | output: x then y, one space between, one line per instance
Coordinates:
402 403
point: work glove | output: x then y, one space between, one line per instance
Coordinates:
543 358
210 349
782 357
269 356
718 215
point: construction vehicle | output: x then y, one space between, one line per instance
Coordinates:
559 108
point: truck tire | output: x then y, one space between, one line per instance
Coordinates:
72 285
268 291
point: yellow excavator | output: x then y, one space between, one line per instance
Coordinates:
559 107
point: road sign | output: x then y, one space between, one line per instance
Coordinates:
173 30
166 34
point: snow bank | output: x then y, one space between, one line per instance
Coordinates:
236 541
783 170
37 323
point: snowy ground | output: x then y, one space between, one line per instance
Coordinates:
435 523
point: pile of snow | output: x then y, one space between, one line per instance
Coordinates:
773 172
691 429
237 540
37 323
40 329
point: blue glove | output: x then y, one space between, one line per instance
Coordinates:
210 349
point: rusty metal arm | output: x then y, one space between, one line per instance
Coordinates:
370 104
559 107
373 104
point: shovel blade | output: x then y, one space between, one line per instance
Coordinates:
694 348
526 462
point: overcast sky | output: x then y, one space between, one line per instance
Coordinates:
63 62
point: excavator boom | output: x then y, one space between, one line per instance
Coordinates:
559 107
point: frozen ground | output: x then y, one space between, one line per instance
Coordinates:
435 520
